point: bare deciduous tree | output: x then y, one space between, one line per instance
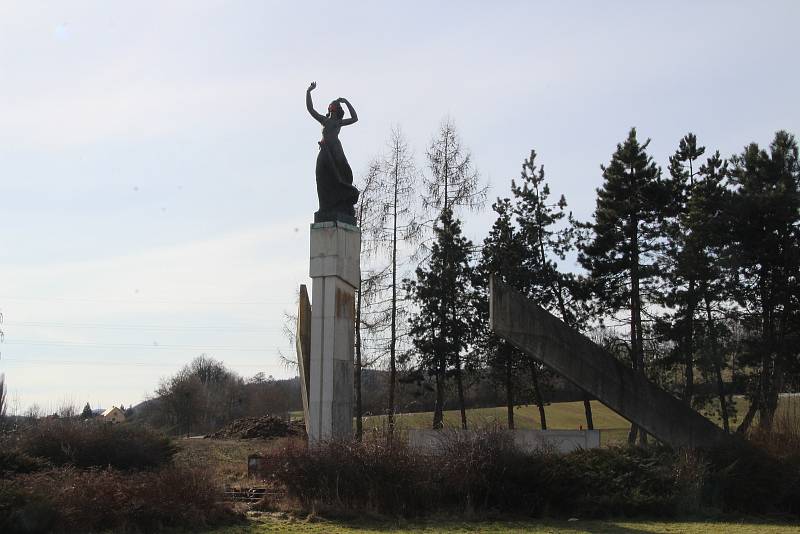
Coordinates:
397 227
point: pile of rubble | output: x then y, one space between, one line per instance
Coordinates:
263 427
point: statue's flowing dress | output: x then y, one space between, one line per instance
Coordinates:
334 176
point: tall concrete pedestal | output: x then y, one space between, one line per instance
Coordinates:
335 272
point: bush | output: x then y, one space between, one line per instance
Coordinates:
386 478
746 479
22 511
782 440
14 461
481 473
96 444
618 481
98 500
485 473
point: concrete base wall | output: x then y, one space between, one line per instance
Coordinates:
528 440
335 273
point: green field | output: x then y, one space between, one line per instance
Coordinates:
560 416
282 523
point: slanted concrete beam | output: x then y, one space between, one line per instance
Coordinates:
536 332
303 348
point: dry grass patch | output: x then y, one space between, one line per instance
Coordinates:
227 459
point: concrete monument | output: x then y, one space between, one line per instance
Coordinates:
335 271
533 330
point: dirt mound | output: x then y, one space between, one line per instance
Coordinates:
263 427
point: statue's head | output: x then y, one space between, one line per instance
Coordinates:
335 110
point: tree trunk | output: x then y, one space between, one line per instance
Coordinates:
715 357
634 431
357 378
537 395
632 434
437 410
767 358
636 313
393 340
587 408
688 387
749 416
771 398
460 385
509 386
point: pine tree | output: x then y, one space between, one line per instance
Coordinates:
87 412
765 255
707 228
547 239
442 327
503 254
453 183
683 256
621 256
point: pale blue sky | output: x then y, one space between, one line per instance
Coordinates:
157 160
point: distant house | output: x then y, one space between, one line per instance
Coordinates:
113 415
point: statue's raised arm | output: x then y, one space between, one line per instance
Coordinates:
353 117
310 105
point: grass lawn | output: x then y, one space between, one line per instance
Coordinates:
280 523
561 415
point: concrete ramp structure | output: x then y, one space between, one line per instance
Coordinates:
541 335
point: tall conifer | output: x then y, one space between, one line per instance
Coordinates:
442 328
626 238
765 254
503 254
547 239
681 267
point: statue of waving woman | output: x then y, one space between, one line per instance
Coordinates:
337 195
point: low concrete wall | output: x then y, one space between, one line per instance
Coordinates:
527 440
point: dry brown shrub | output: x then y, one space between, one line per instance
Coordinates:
782 440
97 500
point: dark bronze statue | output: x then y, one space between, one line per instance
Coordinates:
337 195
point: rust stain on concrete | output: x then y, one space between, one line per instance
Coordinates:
345 304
